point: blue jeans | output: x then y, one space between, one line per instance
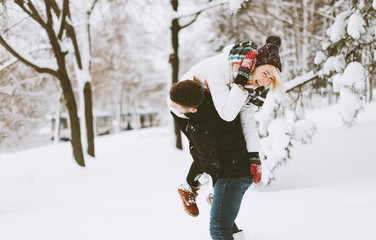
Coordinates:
228 195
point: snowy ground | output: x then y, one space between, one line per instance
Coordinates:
328 191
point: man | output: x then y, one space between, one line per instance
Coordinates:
219 149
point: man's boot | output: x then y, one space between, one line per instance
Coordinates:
239 235
188 196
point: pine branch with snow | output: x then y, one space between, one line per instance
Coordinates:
279 134
347 57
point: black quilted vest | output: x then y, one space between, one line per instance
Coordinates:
217 145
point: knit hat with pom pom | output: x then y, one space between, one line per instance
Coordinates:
269 53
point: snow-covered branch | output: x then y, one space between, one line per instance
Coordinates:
8 63
63 20
299 5
194 11
90 10
299 81
41 66
32 11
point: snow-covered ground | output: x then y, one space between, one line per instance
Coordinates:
327 192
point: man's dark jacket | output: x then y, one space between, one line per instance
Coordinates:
217 146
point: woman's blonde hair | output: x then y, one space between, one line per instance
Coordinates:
277 83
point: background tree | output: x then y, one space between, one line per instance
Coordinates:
129 73
82 65
24 100
55 23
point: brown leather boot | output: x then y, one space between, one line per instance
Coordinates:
188 196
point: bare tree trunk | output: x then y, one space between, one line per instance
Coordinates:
371 88
174 61
57 122
66 85
305 37
87 86
89 119
73 117
119 108
329 91
118 98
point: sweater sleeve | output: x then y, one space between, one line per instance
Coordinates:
214 72
250 131
227 102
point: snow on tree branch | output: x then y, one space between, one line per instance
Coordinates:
351 85
346 59
338 30
8 64
356 25
234 5
298 81
194 11
40 65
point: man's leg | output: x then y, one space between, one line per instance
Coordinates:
228 195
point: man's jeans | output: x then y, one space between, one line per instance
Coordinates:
228 195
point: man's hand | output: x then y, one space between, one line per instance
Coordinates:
206 85
247 65
256 168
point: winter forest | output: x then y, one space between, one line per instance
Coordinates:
86 82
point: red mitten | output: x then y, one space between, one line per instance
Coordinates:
247 65
256 168
256 171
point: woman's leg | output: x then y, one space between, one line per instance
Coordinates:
193 175
228 195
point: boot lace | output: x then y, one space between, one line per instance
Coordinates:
189 197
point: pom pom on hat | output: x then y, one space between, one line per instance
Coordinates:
274 40
269 53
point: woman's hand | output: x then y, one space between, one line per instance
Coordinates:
256 171
256 168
